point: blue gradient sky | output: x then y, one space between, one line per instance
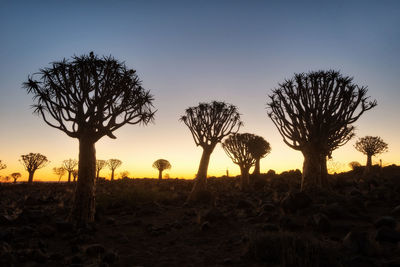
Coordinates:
191 51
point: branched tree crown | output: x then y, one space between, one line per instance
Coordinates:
69 164
236 146
114 163
162 164
259 147
371 145
100 164
33 161
2 165
318 108
209 123
89 95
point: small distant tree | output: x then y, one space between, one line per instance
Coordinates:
161 165
354 165
69 165
314 113
236 146
259 148
100 164
89 97
75 174
2 165
60 171
15 176
5 178
209 123
33 162
113 164
124 174
371 146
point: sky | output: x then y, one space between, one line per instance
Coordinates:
187 52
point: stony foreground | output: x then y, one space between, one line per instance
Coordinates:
143 222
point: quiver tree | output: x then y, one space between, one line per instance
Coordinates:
100 164
89 97
314 113
2 165
60 172
113 164
69 165
371 146
33 162
259 148
236 146
15 176
209 123
75 174
161 165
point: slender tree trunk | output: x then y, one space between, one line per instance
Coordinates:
15 181
257 167
369 164
83 209
311 176
244 181
160 174
30 179
69 176
112 175
97 175
200 183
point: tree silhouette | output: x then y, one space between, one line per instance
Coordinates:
16 176
33 162
209 123
236 146
2 165
89 97
69 165
371 146
100 164
259 148
75 174
124 174
354 165
161 165
314 112
60 171
113 164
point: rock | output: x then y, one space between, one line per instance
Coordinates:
110 257
288 223
244 204
76 260
355 192
360 261
94 250
396 211
110 221
358 242
271 227
386 221
320 222
387 234
296 201
268 208
46 230
212 215
38 256
205 226
64 227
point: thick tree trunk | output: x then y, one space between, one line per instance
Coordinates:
324 172
83 209
200 183
160 174
257 167
311 176
244 179
69 176
30 179
112 175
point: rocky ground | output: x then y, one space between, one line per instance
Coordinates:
141 222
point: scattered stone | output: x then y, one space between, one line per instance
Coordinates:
268 208
205 226
46 230
359 242
244 204
212 215
321 222
110 257
396 211
271 227
64 227
94 250
386 221
386 234
110 221
296 201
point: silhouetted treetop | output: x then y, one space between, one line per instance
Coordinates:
161 164
89 93
318 105
209 123
371 145
32 162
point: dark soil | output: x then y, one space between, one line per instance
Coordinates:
143 222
